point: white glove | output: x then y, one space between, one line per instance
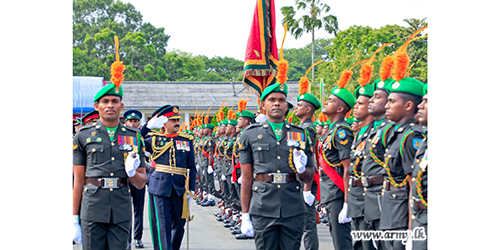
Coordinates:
300 160
190 198
409 243
197 167
260 118
157 122
77 230
246 225
146 153
132 163
343 215
223 178
308 197
239 180
210 170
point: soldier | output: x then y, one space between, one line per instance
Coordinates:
133 120
228 153
244 120
418 200
207 161
105 155
90 118
307 104
173 155
274 199
355 199
402 144
335 162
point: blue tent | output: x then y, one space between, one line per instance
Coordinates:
84 89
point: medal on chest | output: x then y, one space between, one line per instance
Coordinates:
296 140
128 143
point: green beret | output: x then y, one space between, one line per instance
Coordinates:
328 123
345 95
232 122
383 85
309 98
209 125
274 88
109 89
425 89
409 86
246 113
315 124
367 90
224 121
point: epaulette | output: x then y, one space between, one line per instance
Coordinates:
190 137
254 125
155 133
87 127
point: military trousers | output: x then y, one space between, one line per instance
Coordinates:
138 197
359 224
420 221
208 180
100 236
311 240
166 224
341 233
278 233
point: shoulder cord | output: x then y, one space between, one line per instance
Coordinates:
158 151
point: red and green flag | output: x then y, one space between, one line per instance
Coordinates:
261 51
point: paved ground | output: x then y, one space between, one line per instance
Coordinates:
205 233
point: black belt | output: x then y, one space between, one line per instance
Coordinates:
276 177
106 182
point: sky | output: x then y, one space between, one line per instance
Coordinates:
221 27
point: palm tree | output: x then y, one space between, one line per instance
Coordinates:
308 23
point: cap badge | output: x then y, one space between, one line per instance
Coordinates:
395 85
117 90
302 97
336 91
381 84
362 90
282 86
176 110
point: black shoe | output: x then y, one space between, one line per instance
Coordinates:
138 244
224 217
236 231
217 194
208 203
242 237
128 246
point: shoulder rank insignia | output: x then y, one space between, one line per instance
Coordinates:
74 147
344 142
341 134
416 143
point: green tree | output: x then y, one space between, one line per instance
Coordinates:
308 23
360 42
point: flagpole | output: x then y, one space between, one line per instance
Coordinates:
322 101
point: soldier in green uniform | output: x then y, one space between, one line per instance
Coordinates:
307 104
402 144
206 162
276 152
105 156
355 199
418 200
244 120
372 168
228 156
335 161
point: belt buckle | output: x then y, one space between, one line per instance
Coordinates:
364 181
110 183
279 178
